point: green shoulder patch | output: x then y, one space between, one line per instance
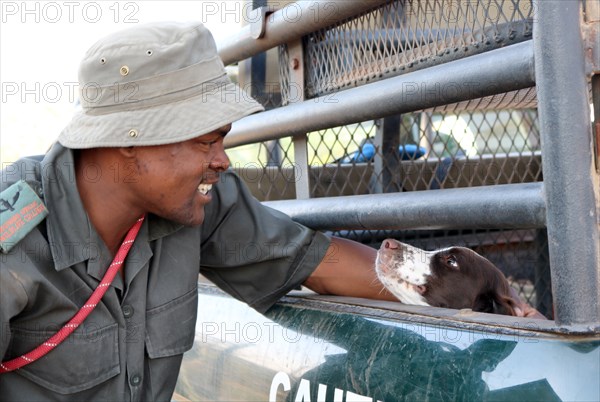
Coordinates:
21 210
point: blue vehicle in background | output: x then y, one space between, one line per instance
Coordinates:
366 153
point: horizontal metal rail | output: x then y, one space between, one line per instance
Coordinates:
509 206
498 71
287 24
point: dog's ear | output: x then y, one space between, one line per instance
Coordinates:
499 297
504 305
495 303
484 303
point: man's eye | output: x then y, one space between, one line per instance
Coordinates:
207 143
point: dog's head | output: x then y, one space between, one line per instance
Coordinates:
454 277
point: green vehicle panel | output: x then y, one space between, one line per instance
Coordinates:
317 348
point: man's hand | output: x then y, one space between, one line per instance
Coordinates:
523 309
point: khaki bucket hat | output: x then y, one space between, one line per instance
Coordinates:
154 84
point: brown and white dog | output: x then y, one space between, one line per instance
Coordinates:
455 277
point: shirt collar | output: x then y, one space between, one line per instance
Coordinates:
71 236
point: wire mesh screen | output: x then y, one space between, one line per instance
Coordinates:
404 36
489 141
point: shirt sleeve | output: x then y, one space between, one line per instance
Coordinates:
253 252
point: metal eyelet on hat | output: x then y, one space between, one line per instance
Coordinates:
124 70
149 52
103 61
133 133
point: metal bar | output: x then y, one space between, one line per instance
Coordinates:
376 182
509 206
596 129
490 73
543 282
390 176
571 183
296 68
290 23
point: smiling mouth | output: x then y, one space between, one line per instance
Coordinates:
204 188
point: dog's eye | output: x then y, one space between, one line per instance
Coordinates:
451 260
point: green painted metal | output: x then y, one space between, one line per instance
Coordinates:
299 353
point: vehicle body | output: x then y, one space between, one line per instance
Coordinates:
319 348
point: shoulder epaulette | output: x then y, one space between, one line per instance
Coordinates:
21 210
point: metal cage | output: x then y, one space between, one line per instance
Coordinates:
437 120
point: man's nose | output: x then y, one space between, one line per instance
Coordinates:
220 160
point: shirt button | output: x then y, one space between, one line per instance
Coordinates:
135 380
127 311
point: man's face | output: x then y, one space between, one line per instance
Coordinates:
173 181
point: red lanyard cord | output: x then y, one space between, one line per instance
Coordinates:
82 314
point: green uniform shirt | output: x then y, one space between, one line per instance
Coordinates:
131 345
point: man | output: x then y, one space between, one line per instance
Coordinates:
147 143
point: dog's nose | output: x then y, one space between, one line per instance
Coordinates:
388 243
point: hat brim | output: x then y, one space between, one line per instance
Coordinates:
162 124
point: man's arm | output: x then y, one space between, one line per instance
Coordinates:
348 269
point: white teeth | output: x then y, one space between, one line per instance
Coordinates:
204 188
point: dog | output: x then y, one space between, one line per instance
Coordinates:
454 277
